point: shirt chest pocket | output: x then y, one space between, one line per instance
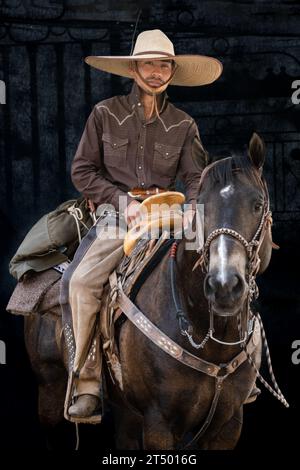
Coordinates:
114 150
165 159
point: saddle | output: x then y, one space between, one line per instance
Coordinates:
132 273
160 212
39 293
143 250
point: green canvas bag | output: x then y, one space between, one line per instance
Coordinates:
53 239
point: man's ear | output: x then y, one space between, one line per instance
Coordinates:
257 151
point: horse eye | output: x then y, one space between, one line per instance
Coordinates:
258 207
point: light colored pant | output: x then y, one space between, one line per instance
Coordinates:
85 291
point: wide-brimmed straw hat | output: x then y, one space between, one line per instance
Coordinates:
159 212
192 70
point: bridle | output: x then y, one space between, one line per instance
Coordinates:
252 248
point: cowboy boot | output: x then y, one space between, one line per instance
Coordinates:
85 406
88 405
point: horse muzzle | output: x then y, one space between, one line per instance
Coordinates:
226 294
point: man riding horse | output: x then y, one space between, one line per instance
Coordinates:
142 142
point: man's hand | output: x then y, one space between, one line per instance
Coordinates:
132 213
91 206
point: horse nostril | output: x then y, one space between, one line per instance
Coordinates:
235 281
237 285
233 286
209 286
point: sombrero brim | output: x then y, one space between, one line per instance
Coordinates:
160 200
144 228
193 70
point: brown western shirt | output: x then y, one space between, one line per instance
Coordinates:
120 150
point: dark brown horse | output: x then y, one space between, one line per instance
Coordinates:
168 401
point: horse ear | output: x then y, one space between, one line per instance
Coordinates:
257 151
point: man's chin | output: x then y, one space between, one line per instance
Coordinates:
154 91
155 86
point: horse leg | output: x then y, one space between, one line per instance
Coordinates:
128 428
51 401
156 432
228 436
46 361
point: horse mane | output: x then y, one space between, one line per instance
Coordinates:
222 171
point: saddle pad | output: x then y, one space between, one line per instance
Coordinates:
29 294
145 252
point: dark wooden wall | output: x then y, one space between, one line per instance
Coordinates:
50 92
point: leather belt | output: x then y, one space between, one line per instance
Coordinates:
141 194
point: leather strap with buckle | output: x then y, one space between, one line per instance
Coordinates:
141 194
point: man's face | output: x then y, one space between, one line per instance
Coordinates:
154 72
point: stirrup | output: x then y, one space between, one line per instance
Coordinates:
94 419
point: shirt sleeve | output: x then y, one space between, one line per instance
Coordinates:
192 162
87 166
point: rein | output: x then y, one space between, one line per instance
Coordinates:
218 371
248 342
254 322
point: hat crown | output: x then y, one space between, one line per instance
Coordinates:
153 41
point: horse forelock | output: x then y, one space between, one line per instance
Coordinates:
223 171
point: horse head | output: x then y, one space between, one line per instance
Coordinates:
237 228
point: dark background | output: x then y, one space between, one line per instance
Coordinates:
49 94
